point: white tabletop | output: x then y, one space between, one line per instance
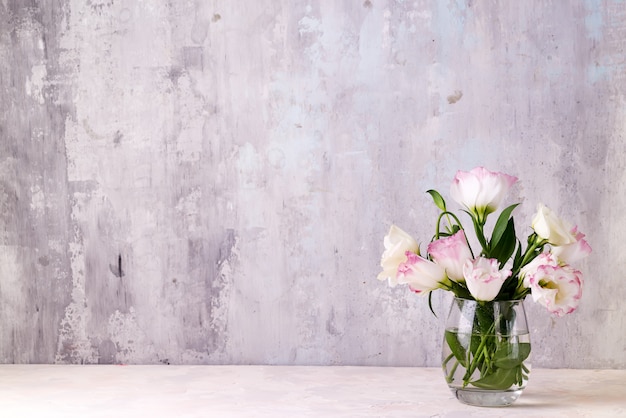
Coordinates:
286 391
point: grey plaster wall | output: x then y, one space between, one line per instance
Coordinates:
209 182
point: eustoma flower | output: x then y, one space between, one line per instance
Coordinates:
480 190
542 267
558 288
397 244
576 251
543 259
451 253
420 274
551 228
483 278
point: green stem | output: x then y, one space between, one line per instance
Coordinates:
483 353
450 376
480 235
445 362
521 291
447 214
530 253
480 354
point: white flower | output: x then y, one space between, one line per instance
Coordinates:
549 227
480 190
571 253
397 244
558 288
483 278
420 274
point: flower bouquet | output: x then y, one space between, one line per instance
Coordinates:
486 345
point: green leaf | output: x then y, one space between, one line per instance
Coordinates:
506 245
501 225
511 354
484 315
507 291
500 379
475 343
441 204
456 347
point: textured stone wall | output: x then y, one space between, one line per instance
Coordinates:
209 182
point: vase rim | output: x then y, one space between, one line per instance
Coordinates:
491 301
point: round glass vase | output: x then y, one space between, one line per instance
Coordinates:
486 351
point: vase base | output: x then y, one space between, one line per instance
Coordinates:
477 397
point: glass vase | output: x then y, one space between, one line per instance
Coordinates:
486 351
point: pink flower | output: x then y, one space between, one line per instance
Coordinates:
576 251
480 190
558 288
483 278
451 254
420 274
543 259
397 244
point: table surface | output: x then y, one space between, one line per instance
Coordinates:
289 391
